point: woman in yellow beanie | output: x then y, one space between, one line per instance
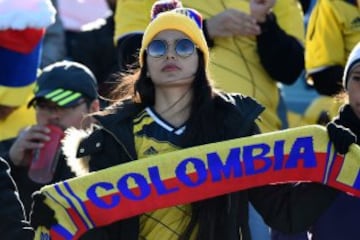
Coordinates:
170 104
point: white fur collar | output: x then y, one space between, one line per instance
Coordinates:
71 142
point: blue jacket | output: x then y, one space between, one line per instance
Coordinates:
341 220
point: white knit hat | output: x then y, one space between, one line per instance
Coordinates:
353 59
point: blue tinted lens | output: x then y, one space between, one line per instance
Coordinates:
156 48
184 47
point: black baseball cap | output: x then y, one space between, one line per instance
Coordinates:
65 83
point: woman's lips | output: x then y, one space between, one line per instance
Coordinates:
170 68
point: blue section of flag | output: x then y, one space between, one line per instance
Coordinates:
18 69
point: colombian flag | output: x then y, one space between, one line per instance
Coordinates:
22 28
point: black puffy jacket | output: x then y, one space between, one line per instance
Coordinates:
12 215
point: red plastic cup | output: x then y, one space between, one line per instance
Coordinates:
45 159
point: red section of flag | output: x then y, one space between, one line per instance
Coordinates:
22 41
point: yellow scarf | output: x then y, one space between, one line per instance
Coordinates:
184 176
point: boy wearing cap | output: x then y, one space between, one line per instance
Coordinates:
65 92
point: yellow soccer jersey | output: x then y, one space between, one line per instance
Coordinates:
131 16
333 30
16 121
19 119
235 64
153 135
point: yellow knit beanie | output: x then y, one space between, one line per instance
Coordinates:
186 20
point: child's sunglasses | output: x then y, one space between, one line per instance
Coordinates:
158 48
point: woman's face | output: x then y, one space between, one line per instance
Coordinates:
172 59
354 89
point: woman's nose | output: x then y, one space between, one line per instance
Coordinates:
171 54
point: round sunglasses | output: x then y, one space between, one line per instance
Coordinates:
158 48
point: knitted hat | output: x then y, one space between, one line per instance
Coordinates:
353 59
186 20
163 6
22 27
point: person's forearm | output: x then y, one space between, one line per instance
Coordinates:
281 55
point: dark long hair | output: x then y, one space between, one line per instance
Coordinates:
205 125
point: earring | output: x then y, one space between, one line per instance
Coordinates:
147 74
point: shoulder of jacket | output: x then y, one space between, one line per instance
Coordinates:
4 166
77 145
242 102
118 112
